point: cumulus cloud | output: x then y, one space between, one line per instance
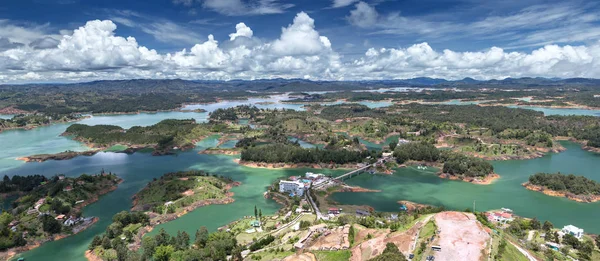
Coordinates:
363 15
241 30
94 51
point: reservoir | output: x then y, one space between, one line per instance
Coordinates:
421 186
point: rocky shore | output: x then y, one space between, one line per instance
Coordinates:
487 180
8 254
220 152
562 194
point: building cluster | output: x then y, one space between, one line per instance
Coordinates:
503 216
296 186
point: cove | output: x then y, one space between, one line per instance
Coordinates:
423 186
140 168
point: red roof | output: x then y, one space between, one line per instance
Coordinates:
333 209
506 215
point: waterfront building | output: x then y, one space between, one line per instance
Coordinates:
293 187
573 230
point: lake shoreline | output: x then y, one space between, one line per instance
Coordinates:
562 194
264 165
12 252
487 180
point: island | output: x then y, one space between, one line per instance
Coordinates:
576 188
27 121
48 209
452 165
162 200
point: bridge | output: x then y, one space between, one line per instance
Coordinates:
356 171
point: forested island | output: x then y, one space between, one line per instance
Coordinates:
30 121
48 208
453 165
163 200
577 188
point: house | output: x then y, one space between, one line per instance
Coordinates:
61 177
501 217
71 221
334 211
168 203
360 212
60 217
80 182
573 230
292 187
68 188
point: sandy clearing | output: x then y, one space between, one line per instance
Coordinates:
461 237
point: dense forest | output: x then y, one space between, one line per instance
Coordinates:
163 134
21 183
162 247
578 185
275 153
234 113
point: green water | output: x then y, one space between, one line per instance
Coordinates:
423 186
407 184
140 168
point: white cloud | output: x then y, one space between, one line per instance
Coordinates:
241 30
94 51
301 38
363 16
169 32
239 7
342 3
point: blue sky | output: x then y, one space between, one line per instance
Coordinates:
60 40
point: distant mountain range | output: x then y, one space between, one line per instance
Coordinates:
299 85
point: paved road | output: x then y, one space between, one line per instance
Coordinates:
312 203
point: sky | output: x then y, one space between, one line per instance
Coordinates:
84 40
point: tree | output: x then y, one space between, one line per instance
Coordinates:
163 253
390 253
598 241
260 214
148 245
547 226
50 225
201 237
182 240
535 224
106 243
393 145
255 212
95 242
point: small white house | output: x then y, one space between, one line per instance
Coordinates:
292 187
573 230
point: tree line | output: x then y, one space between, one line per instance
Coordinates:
285 153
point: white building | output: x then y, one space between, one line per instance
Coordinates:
310 175
292 187
573 230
